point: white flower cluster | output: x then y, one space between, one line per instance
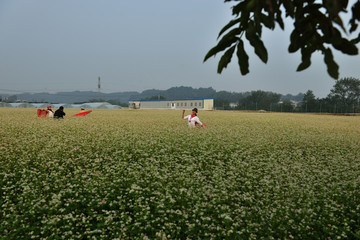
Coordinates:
142 174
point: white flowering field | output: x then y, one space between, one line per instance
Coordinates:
142 174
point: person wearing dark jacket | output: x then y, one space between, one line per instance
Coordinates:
59 113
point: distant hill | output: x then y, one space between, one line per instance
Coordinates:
74 97
124 97
178 93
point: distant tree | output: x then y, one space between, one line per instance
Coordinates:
258 100
156 97
325 105
309 102
220 103
346 91
230 96
188 92
317 27
345 94
287 106
97 100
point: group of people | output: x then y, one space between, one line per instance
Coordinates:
57 114
193 119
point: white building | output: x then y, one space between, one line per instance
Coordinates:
199 103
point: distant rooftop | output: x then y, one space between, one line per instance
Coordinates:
179 99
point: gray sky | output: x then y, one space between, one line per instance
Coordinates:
64 45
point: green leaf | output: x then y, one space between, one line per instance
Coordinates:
229 25
289 7
225 59
239 8
326 27
267 21
334 37
294 42
306 60
304 65
356 40
256 42
243 58
260 50
339 22
245 16
353 25
279 20
346 47
332 67
226 41
333 7
250 31
250 5
356 11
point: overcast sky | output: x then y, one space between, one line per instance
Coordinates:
65 45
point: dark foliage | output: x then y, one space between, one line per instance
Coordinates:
317 27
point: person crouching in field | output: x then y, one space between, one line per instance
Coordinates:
50 112
193 119
59 113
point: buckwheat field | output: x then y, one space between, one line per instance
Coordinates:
143 174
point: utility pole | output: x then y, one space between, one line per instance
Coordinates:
98 89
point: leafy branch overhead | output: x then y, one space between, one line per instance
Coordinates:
317 27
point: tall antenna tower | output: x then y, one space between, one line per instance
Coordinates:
99 89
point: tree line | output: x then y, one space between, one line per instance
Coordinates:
344 97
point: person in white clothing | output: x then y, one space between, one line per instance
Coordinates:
193 119
50 112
